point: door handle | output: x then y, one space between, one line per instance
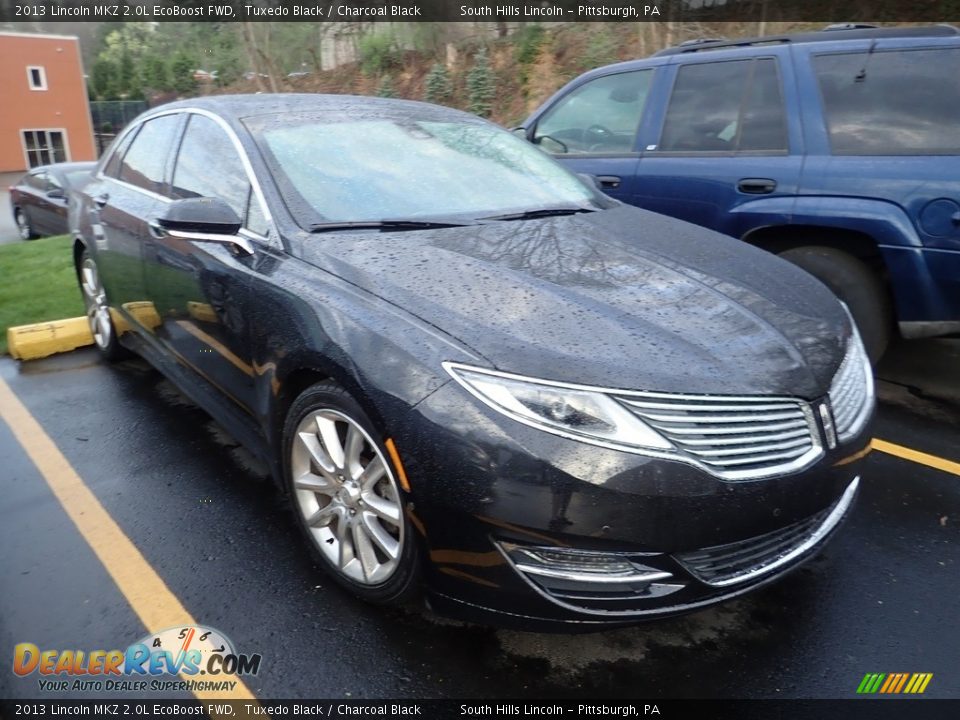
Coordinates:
101 199
757 186
608 181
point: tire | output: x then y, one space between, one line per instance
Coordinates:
23 225
341 504
858 286
98 310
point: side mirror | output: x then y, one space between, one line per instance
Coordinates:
203 219
56 194
519 132
551 145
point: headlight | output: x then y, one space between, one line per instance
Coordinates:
570 411
852 394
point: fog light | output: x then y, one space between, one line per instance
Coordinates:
579 565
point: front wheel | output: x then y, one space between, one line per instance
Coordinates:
854 282
346 498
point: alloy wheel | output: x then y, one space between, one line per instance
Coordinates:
23 225
347 496
95 299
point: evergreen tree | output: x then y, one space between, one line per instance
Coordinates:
385 89
481 85
181 70
103 80
438 85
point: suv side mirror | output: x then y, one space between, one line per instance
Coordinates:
203 219
56 194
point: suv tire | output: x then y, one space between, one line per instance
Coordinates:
857 285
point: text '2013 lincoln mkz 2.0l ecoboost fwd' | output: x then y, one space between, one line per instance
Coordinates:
478 380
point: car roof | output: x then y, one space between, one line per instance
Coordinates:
252 105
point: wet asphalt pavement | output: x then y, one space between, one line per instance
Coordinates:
883 597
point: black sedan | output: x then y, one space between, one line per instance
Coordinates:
39 199
477 379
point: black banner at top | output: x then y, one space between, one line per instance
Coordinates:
851 11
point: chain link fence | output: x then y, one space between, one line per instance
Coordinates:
110 116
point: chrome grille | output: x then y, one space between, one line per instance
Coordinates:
733 437
723 565
851 392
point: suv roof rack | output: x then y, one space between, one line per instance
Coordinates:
841 31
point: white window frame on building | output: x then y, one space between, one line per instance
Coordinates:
41 83
40 146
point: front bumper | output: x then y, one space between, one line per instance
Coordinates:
626 537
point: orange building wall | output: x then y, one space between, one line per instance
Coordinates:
62 105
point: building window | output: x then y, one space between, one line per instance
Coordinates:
37 77
44 147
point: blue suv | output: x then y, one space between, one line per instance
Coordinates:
838 150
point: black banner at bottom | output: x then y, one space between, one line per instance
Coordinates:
854 709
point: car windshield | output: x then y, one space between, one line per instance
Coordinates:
377 168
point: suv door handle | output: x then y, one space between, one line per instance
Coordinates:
757 186
101 199
608 181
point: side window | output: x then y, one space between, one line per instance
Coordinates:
112 168
891 103
208 166
733 106
256 220
601 116
37 181
53 182
144 163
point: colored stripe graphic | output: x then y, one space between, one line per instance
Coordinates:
894 683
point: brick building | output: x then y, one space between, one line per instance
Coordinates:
44 115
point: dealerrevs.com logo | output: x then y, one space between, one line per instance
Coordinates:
202 656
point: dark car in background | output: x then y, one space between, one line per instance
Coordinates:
471 372
838 150
39 200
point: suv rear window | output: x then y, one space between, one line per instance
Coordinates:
732 106
904 102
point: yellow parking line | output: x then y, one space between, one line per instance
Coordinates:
916 456
153 602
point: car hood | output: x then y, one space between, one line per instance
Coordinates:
621 298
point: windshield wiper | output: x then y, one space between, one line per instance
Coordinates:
540 213
383 225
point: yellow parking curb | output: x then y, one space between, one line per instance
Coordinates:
29 342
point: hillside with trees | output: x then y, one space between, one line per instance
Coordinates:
498 70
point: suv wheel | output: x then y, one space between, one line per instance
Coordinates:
857 285
345 495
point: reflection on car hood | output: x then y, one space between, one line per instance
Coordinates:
621 298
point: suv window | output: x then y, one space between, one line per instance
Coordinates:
891 103
600 116
208 166
144 163
733 106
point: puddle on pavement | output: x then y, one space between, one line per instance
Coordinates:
569 655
